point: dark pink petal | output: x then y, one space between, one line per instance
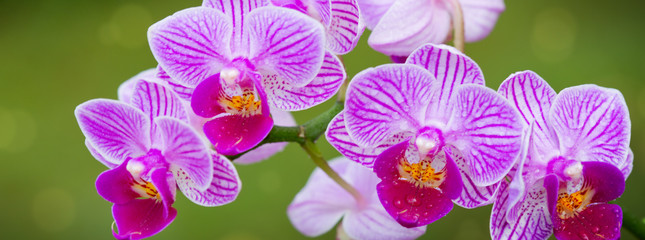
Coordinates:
598 221
233 134
205 101
386 100
451 68
487 130
472 196
532 97
534 222
289 97
141 218
606 180
319 206
373 10
166 186
592 124
425 22
480 17
115 185
98 155
261 153
223 189
116 130
287 43
344 30
192 44
237 11
185 151
411 206
323 8
156 100
338 137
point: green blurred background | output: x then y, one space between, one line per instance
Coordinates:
55 55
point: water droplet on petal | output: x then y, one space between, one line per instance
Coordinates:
413 200
595 229
398 204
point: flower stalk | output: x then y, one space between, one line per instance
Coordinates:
458 26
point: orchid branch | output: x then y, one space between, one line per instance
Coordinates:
458 26
635 225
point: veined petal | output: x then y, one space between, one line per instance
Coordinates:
409 24
237 11
115 185
487 130
374 223
321 203
185 93
261 153
115 129
186 152
532 97
338 137
480 17
592 124
286 42
223 189
98 155
289 97
533 223
373 10
344 30
156 100
233 134
451 68
192 44
599 221
626 167
386 100
472 196
141 218
126 89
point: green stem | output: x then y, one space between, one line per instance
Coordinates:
458 26
313 152
635 225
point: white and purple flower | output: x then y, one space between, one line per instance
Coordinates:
151 151
322 203
242 58
341 19
431 131
575 159
401 26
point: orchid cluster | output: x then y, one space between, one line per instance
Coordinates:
417 136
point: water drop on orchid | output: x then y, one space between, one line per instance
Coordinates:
413 200
398 204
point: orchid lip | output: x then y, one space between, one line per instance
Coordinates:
429 142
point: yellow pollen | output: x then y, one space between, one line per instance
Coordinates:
147 188
245 104
422 174
570 205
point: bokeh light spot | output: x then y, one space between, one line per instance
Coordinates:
7 129
53 209
17 130
554 35
127 27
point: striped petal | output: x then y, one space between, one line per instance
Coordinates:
451 68
186 152
237 11
289 97
386 100
487 131
533 224
344 30
192 44
116 130
223 189
592 124
287 43
472 196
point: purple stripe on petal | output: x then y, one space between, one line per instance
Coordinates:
344 30
487 130
386 100
287 43
451 68
192 44
289 97
185 93
627 166
233 134
533 223
237 11
425 21
141 218
116 130
223 189
185 151
98 155
592 124
472 196
126 89
600 221
156 100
